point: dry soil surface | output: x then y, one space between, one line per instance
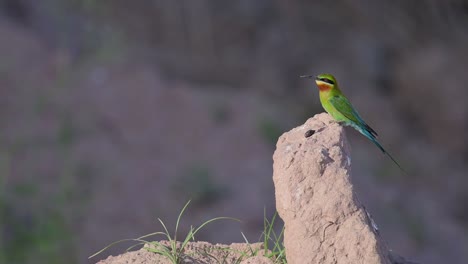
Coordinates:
198 253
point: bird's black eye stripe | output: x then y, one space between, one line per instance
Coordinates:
326 80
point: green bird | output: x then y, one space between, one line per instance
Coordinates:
339 107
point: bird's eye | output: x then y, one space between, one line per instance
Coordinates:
327 80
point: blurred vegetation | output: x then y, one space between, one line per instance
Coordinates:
200 186
269 130
36 223
37 217
34 229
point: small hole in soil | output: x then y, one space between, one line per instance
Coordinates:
309 133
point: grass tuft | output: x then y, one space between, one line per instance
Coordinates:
273 247
173 250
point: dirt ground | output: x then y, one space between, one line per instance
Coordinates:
198 253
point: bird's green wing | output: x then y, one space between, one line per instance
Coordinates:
345 108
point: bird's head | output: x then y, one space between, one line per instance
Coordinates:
324 82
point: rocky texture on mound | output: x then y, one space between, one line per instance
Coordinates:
324 220
197 253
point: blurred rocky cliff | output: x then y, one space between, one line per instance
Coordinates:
115 113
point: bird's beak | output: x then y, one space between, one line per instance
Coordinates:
307 76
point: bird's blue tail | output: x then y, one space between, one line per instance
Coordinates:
372 138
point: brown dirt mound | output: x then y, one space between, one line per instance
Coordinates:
198 253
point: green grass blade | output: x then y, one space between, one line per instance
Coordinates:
178 219
114 243
212 220
166 232
189 236
277 240
162 250
134 246
153 234
248 244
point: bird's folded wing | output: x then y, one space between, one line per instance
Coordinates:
345 108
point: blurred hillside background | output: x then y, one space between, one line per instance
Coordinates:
114 113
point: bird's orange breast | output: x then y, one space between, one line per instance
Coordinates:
323 86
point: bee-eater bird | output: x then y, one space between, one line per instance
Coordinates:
338 106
